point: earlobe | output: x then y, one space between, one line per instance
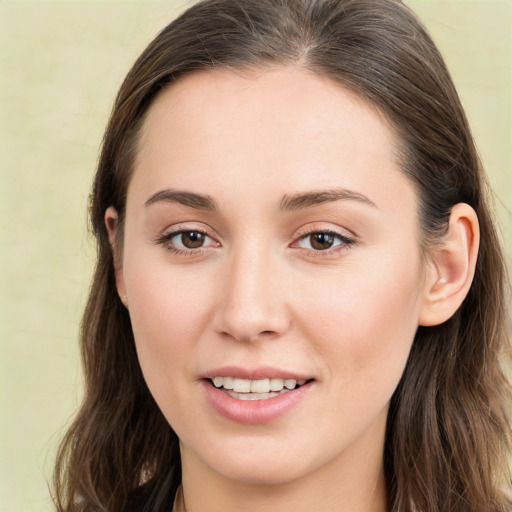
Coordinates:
452 268
112 225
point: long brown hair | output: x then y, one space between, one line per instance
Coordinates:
448 438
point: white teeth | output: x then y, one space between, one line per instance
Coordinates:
260 386
255 396
256 386
276 384
227 382
242 385
290 383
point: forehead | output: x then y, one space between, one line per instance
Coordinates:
283 125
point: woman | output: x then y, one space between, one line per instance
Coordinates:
299 301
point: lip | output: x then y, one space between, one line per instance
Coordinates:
260 372
254 412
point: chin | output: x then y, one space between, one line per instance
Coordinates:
260 467
259 474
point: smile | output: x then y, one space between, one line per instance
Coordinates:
255 401
260 389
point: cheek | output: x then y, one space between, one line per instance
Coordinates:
363 319
168 311
168 315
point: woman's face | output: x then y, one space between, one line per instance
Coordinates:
271 240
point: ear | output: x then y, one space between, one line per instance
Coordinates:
112 224
452 268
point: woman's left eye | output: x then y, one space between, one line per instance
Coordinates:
322 241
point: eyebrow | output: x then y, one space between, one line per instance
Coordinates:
308 199
294 202
185 198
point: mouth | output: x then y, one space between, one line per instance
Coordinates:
259 389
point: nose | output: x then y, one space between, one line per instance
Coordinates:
252 298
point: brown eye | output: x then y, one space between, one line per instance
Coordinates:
327 241
187 242
192 239
321 241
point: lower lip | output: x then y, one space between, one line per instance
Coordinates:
253 412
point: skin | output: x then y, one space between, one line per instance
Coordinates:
258 293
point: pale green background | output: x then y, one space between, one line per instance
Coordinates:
61 63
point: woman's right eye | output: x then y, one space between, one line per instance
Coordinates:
187 241
190 239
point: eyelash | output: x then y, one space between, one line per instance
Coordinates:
165 241
345 242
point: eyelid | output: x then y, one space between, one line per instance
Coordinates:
165 238
347 239
322 228
191 226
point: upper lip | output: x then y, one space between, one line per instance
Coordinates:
255 373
